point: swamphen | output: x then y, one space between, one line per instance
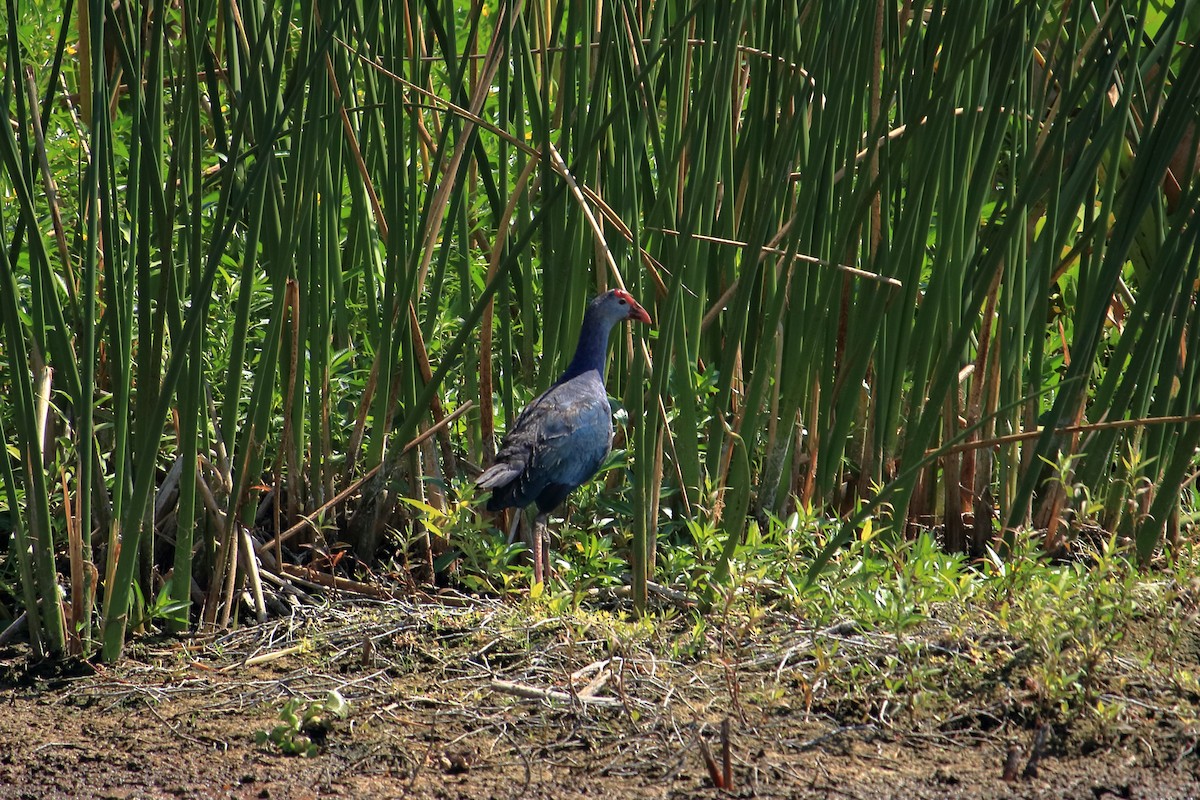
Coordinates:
562 437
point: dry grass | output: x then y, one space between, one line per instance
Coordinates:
501 697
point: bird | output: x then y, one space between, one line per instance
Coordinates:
562 437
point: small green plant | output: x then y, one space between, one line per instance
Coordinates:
481 560
303 728
1070 617
165 610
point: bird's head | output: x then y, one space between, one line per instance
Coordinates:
618 305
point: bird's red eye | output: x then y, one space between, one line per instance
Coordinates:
622 299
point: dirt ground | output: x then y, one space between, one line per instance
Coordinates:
478 700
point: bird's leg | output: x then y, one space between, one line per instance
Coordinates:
547 548
541 547
532 540
516 523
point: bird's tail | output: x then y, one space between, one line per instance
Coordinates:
502 479
497 475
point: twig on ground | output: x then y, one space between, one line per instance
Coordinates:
14 628
265 658
1037 751
412 783
726 757
710 763
333 582
1012 763
550 695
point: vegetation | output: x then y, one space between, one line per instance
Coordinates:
303 726
913 269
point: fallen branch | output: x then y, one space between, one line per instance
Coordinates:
1037 751
333 582
673 596
550 695
714 773
726 757
263 658
1012 763
309 520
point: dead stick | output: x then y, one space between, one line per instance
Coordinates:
595 685
533 693
263 658
726 756
333 582
714 774
1012 762
1037 751
14 628
1067 429
308 519
250 568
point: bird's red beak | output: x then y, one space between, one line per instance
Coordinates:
636 312
640 314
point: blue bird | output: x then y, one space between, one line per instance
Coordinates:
561 438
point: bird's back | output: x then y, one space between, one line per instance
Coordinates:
556 443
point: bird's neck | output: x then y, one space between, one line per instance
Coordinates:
592 351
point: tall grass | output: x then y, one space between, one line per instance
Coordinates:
933 264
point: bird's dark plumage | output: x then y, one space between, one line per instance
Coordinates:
557 443
560 439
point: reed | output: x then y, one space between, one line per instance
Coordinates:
892 252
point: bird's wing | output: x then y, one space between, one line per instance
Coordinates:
517 446
561 438
574 441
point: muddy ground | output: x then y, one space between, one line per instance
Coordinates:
479 700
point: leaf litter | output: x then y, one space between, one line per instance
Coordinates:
476 698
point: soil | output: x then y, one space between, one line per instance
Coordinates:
482 700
